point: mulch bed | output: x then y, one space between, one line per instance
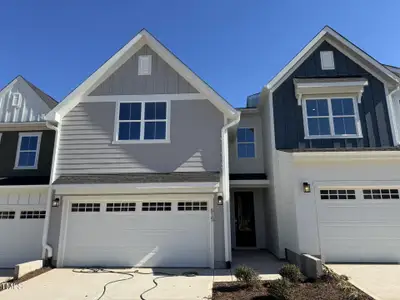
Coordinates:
318 290
13 283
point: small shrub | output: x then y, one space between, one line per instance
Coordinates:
247 275
281 289
330 275
291 272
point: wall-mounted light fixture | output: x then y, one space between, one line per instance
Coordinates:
220 200
306 187
56 202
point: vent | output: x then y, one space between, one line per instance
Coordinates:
16 99
144 65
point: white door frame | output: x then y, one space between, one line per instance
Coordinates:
103 198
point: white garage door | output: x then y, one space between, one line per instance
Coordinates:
359 225
22 217
137 233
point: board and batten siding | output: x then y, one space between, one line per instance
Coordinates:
86 141
32 108
373 110
126 81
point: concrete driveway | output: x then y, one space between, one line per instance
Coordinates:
64 284
382 282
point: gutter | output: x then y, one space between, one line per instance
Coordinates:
226 191
47 249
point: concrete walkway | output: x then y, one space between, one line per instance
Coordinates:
382 282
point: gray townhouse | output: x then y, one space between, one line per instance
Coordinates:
153 168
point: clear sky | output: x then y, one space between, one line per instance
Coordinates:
235 46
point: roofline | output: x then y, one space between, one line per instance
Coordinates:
319 37
120 57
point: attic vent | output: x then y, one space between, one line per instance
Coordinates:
144 63
16 100
327 60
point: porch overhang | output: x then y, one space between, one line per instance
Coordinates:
248 180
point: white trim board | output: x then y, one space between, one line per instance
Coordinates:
121 57
152 97
249 183
315 42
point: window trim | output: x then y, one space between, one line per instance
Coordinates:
21 135
307 136
142 121
237 144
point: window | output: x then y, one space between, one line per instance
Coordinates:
33 214
246 143
327 60
192 206
144 65
338 194
331 117
142 121
16 100
85 207
28 150
7 214
121 206
156 206
381 194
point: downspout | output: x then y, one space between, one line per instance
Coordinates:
46 247
226 191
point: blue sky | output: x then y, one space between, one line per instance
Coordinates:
236 46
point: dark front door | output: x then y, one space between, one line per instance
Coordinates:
244 219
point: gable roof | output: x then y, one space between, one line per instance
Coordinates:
47 99
111 65
333 37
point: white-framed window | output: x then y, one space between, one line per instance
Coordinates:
120 206
246 143
156 206
28 150
33 214
85 207
337 194
144 65
327 60
7 214
142 122
390 194
16 99
331 118
192 206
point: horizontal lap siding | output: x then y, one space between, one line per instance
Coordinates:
373 110
87 135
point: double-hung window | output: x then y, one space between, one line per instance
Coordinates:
331 118
28 150
246 143
142 122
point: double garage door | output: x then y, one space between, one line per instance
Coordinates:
359 224
22 217
126 233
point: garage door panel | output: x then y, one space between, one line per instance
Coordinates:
360 231
138 238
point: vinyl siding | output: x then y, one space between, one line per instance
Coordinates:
32 108
126 81
373 110
8 152
87 134
248 165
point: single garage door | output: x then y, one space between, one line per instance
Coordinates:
22 217
359 225
137 233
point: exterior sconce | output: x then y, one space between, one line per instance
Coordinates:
306 187
220 200
56 202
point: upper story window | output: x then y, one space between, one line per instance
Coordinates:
246 143
144 65
327 60
28 150
142 122
331 118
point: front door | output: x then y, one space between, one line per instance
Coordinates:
244 219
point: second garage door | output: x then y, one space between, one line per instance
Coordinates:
137 233
359 225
